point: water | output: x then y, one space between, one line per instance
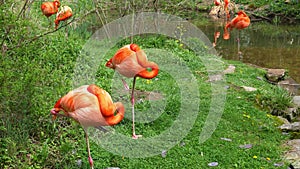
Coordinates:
269 50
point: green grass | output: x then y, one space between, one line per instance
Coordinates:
35 75
30 139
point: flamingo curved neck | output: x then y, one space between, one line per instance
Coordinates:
148 74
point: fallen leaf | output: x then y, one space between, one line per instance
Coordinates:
182 144
246 146
229 70
226 139
278 164
164 153
249 89
213 164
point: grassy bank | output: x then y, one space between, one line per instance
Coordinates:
35 74
32 84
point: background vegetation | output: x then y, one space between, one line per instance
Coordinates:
37 67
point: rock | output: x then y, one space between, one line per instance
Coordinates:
291 127
214 78
164 153
293 155
296 101
214 12
259 78
287 1
275 75
290 113
290 85
283 120
218 12
249 89
230 69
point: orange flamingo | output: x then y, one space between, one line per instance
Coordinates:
91 106
50 8
130 61
241 21
226 8
216 36
64 14
217 2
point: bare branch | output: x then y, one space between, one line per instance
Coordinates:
50 32
23 9
259 16
100 18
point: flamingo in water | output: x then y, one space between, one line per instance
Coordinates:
217 2
241 21
131 62
90 106
226 3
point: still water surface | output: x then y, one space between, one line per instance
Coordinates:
260 48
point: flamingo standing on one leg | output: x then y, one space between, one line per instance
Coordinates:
217 2
50 8
226 3
64 14
216 36
91 106
130 61
241 21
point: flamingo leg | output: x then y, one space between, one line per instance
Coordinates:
125 84
134 136
89 151
239 45
50 23
238 41
66 29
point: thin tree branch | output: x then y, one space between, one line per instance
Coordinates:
100 18
259 16
23 9
50 32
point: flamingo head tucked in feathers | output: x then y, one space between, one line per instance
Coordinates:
57 3
121 54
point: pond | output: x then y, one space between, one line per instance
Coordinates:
273 49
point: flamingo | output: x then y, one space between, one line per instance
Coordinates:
241 21
90 106
64 14
50 8
131 62
216 36
226 3
217 2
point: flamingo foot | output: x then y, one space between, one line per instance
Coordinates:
91 162
134 136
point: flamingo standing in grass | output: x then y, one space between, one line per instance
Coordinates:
50 8
130 61
241 21
91 106
64 14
